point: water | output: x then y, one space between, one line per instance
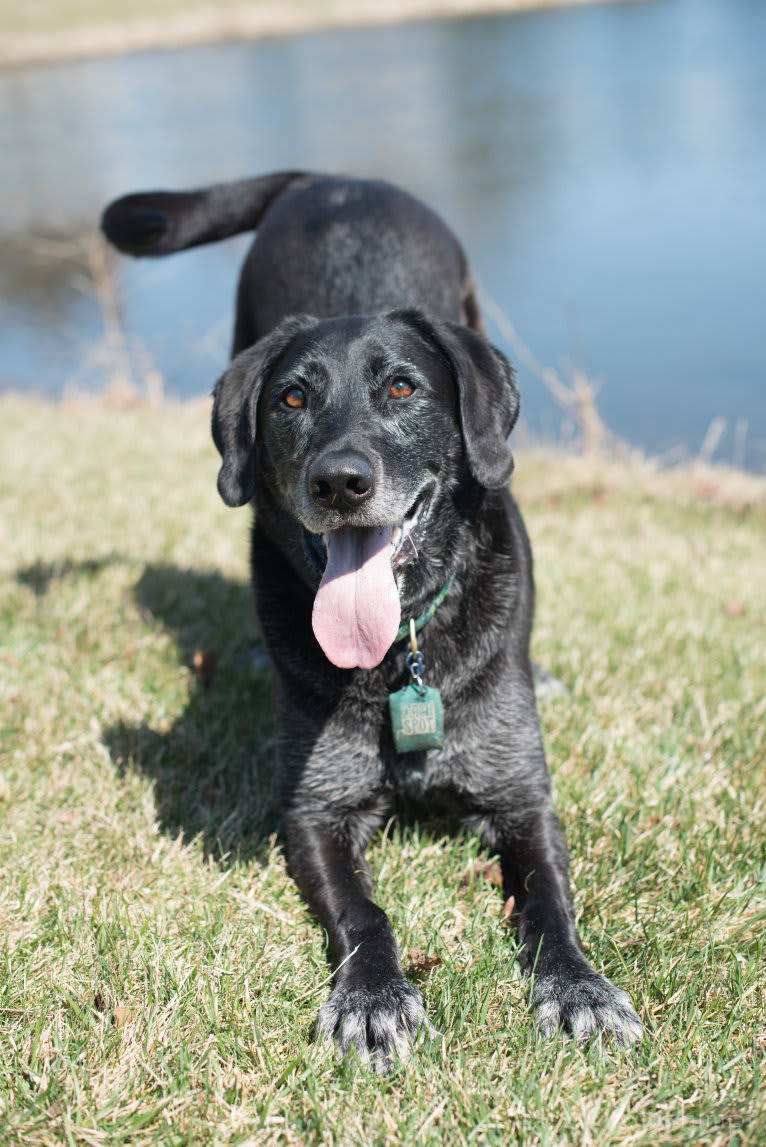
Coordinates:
604 166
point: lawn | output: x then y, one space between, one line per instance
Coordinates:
42 30
58 15
160 975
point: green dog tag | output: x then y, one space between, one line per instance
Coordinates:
417 718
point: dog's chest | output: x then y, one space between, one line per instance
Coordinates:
415 774
366 710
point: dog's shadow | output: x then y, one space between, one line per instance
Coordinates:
212 766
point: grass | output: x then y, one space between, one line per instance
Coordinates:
44 30
57 15
159 975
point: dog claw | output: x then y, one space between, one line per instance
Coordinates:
380 1025
586 1009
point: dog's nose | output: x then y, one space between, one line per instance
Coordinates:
341 480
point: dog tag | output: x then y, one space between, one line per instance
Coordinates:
417 718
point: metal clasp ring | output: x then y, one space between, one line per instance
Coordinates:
415 661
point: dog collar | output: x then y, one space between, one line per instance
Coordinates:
404 629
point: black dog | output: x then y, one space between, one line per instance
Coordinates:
367 417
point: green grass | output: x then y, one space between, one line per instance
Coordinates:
159 975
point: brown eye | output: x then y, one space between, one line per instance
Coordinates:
401 388
294 398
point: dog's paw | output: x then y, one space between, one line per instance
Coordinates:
380 1023
584 1007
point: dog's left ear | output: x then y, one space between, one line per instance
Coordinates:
488 399
235 403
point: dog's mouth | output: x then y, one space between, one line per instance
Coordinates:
406 537
357 611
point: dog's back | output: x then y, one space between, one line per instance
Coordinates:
326 246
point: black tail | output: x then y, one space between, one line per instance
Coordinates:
160 222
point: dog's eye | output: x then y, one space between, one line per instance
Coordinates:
401 388
294 398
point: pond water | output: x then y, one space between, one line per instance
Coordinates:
605 167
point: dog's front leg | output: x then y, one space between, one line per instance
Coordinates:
567 994
373 1009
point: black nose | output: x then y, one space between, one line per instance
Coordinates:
341 480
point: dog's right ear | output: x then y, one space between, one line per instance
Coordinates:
235 403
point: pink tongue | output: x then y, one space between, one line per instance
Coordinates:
356 609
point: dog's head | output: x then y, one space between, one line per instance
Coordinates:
360 428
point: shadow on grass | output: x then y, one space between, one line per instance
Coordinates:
40 575
212 769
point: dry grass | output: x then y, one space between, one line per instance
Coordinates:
59 29
159 973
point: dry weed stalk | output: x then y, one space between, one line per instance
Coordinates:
124 367
575 395
713 436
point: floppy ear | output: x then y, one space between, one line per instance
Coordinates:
488 400
235 402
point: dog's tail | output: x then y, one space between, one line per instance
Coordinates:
161 222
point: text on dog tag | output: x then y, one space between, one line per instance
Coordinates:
417 718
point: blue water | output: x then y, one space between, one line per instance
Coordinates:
605 167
